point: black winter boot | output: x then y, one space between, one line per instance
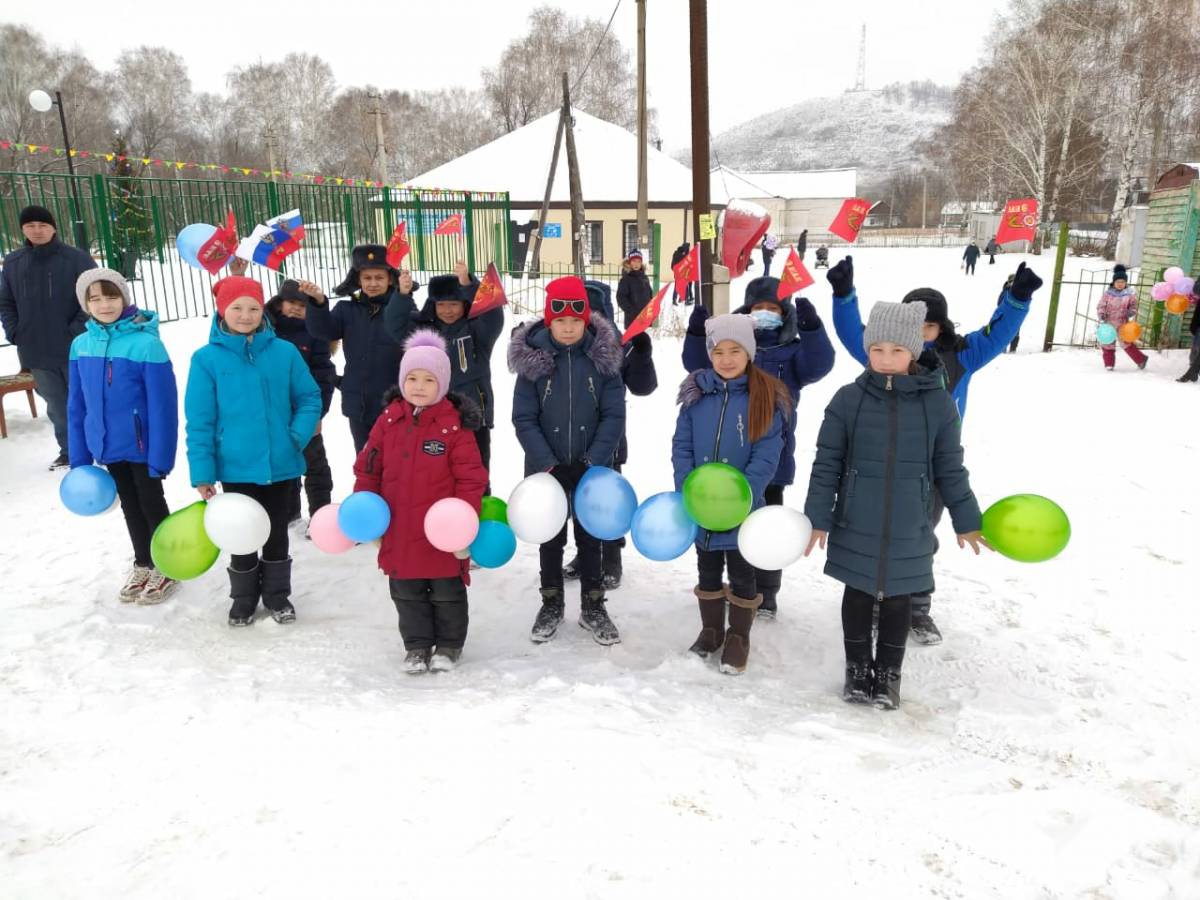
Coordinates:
611 555
768 609
712 622
549 617
244 592
277 589
859 681
1192 374
594 617
886 691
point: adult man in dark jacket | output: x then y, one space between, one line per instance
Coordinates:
970 257
802 244
41 313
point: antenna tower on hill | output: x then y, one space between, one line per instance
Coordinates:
860 81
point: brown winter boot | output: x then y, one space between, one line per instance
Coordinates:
742 613
712 622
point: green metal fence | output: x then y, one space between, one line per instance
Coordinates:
1160 330
130 224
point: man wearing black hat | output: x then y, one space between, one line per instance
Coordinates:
41 313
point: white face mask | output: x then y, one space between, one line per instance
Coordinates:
765 320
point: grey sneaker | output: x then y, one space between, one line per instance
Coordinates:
444 659
416 662
134 584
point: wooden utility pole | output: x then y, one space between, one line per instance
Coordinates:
577 213
380 146
643 215
535 256
701 201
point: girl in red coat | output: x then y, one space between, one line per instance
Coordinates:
421 450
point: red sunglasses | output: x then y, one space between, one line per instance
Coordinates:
558 307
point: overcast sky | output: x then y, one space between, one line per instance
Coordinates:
762 55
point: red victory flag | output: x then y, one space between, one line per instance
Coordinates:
217 250
397 247
490 293
646 317
850 219
1019 221
450 225
687 270
795 276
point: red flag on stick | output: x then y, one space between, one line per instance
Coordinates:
397 247
216 251
490 293
850 219
450 225
795 276
646 317
1019 221
687 270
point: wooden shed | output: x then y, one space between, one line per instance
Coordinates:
1172 232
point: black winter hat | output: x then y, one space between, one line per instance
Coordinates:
445 287
37 214
364 256
936 309
1119 271
290 290
763 290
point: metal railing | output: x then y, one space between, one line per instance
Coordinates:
1160 330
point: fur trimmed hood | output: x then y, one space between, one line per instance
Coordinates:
706 381
531 352
468 412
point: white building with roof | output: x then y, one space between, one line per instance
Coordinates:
797 201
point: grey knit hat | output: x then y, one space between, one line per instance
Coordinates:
900 323
91 276
730 327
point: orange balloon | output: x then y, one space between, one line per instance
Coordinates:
1130 332
1177 304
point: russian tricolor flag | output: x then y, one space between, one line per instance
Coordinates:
271 243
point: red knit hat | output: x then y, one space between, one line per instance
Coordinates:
567 296
229 289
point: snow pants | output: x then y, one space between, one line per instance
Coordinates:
894 613
1109 354
433 612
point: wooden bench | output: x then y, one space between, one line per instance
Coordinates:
11 384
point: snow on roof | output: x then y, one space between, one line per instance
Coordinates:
954 208
519 162
817 184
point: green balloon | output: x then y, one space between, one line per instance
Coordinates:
717 496
1027 527
494 510
180 547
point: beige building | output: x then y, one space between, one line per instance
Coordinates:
796 201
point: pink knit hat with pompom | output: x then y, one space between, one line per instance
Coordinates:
426 350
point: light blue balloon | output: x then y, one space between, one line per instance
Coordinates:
189 241
1105 333
604 503
494 545
662 529
88 491
364 516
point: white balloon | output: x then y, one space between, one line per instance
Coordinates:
236 523
774 537
537 508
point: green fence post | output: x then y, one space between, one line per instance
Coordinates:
273 207
1064 230
420 235
156 220
100 187
507 229
469 208
348 215
388 224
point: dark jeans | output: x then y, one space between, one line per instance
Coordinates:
51 385
770 580
483 439
276 499
318 480
1012 348
360 429
894 614
711 566
991 259
433 612
767 265
588 556
142 503
971 268
922 602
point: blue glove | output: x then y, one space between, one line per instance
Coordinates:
696 322
1025 282
806 316
841 277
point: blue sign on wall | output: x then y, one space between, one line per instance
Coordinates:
552 230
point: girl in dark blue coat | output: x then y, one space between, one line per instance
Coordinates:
732 413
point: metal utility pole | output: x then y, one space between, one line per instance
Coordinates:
701 200
270 151
924 186
577 213
535 256
380 146
643 216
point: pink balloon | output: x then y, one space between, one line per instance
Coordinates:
1173 274
451 524
1161 291
1183 285
324 532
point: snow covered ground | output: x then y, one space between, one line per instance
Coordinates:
1047 749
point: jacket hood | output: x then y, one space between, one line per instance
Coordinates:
453 405
532 351
925 379
707 381
142 320
237 342
786 333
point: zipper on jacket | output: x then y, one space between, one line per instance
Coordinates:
137 429
546 393
717 447
741 431
889 479
592 391
371 460
570 406
109 370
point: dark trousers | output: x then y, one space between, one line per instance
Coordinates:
433 612
767 264
318 480
483 439
894 614
991 259
711 566
1012 348
51 385
142 504
276 499
922 602
360 430
770 580
588 555
971 267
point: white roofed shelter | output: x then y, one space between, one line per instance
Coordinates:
795 200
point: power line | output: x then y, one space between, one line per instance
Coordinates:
596 49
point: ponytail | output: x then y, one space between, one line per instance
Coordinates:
767 393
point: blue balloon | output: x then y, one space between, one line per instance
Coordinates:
364 516
494 545
1105 333
189 241
88 491
662 529
604 503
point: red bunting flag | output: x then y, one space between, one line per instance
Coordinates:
646 317
490 293
687 270
397 247
850 219
1019 221
451 225
216 251
795 277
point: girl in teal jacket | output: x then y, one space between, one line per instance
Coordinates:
251 407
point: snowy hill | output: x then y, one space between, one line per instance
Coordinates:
871 130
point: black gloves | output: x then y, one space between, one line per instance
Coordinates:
568 474
806 316
696 322
641 343
1025 282
841 277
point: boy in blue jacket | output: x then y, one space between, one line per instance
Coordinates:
569 413
123 413
961 356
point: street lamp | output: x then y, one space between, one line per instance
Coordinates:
41 102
